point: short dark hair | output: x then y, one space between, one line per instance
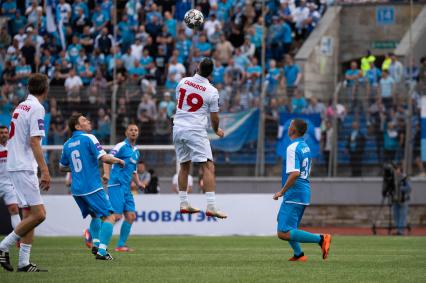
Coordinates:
206 67
73 121
300 126
38 84
132 124
3 127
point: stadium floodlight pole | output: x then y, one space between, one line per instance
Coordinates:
112 137
408 129
260 155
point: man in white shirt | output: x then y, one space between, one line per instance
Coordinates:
175 187
72 85
396 69
7 192
300 15
197 99
64 10
136 49
175 70
211 24
20 37
24 154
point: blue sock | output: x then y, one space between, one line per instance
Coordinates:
105 236
124 233
296 248
304 237
95 227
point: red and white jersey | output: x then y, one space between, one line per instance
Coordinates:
27 121
196 98
4 175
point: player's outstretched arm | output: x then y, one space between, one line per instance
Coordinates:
35 143
214 118
109 159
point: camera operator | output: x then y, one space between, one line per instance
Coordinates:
397 187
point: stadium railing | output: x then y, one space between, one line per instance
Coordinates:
387 129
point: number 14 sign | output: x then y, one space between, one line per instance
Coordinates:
385 15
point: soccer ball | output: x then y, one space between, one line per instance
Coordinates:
194 19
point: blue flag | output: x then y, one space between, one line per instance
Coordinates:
312 135
240 128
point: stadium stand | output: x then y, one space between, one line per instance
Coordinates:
150 50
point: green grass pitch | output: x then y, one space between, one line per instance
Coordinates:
228 259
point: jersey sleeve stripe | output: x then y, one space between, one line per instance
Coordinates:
101 153
291 158
117 148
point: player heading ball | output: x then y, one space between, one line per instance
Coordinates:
197 99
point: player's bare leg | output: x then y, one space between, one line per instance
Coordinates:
15 219
129 218
32 218
24 232
185 206
210 188
26 242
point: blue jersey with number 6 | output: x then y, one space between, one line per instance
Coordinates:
297 159
81 153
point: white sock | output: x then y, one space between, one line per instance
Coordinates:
24 255
103 247
183 196
15 219
211 200
9 241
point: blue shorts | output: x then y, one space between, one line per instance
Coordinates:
121 199
289 216
95 204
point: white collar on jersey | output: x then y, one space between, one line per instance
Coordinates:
33 98
203 79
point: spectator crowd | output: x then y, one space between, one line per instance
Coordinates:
378 98
86 46
140 49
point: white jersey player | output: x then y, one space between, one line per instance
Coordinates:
7 192
197 100
24 151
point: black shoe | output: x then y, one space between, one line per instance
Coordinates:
104 257
321 241
31 268
5 261
95 250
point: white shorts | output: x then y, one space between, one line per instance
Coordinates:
8 194
27 188
191 145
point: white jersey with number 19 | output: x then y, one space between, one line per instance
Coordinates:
196 98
